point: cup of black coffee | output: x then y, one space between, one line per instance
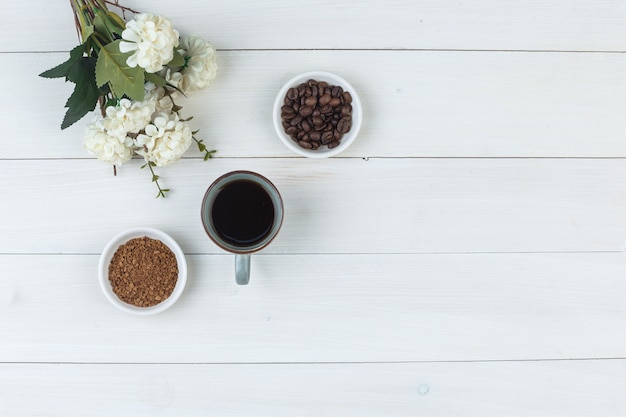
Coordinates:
242 212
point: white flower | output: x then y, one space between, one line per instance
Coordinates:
165 140
164 103
109 148
129 116
152 38
201 66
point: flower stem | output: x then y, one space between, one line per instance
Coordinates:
155 179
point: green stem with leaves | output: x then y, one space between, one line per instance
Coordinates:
155 179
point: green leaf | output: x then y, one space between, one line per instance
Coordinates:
112 68
177 61
108 25
63 69
116 21
85 95
156 79
86 33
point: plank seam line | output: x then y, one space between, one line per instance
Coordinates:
443 50
461 361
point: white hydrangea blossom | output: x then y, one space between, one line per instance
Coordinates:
109 148
201 65
164 103
152 38
165 140
129 116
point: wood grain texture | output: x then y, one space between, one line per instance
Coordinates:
416 104
325 308
465 257
331 206
571 25
529 389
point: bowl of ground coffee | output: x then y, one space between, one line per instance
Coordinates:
317 114
142 271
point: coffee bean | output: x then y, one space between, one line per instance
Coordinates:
310 101
344 125
295 120
326 109
315 113
315 136
318 121
305 111
292 94
325 99
327 137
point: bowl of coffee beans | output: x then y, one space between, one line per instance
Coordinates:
142 271
317 114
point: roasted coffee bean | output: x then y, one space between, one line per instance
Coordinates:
325 99
327 137
292 94
295 121
305 111
315 136
344 125
311 101
315 113
318 121
326 109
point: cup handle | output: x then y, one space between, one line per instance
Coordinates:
242 268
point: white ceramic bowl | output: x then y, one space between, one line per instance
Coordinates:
323 151
111 248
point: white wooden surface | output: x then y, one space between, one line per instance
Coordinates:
465 257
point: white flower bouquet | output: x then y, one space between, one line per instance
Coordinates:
134 71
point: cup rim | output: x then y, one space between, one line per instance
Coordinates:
232 248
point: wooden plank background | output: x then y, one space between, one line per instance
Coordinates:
464 257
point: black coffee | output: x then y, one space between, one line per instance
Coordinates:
243 213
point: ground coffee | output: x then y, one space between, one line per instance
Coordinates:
143 272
